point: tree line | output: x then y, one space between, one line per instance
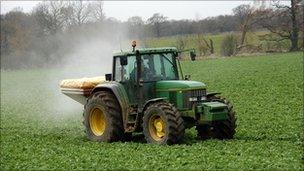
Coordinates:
52 29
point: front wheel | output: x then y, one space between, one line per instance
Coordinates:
163 124
224 129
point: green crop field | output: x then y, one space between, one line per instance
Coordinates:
42 129
191 41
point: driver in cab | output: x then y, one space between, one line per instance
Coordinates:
146 72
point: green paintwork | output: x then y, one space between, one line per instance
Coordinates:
188 113
174 97
209 111
213 111
178 85
179 100
173 90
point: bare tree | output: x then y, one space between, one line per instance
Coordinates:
135 26
81 12
157 20
204 46
135 21
97 10
50 16
283 21
15 31
181 43
244 14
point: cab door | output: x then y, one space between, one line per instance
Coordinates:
147 77
125 72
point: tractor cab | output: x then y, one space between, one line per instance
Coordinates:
147 73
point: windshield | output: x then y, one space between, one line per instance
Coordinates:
157 67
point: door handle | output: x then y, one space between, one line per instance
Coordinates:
141 82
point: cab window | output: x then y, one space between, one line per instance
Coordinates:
125 72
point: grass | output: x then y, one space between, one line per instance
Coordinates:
41 129
191 40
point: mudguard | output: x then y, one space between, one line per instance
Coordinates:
118 90
152 101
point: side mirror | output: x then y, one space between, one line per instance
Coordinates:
108 77
192 55
175 54
187 77
123 61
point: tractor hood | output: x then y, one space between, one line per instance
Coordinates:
178 85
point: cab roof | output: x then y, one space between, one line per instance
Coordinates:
146 51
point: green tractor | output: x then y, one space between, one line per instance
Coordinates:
148 93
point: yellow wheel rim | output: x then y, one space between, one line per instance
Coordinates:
157 128
97 121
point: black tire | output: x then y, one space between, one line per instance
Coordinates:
174 125
224 129
204 131
128 137
108 105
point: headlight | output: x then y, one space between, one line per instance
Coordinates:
195 99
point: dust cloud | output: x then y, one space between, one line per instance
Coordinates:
83 51
92 57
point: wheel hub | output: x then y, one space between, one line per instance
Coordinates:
97 121
157 128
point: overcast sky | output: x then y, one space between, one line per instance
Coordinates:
122 10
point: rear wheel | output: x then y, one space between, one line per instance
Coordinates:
163 124
102 118
224 129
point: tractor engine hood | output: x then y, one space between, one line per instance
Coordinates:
178 85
